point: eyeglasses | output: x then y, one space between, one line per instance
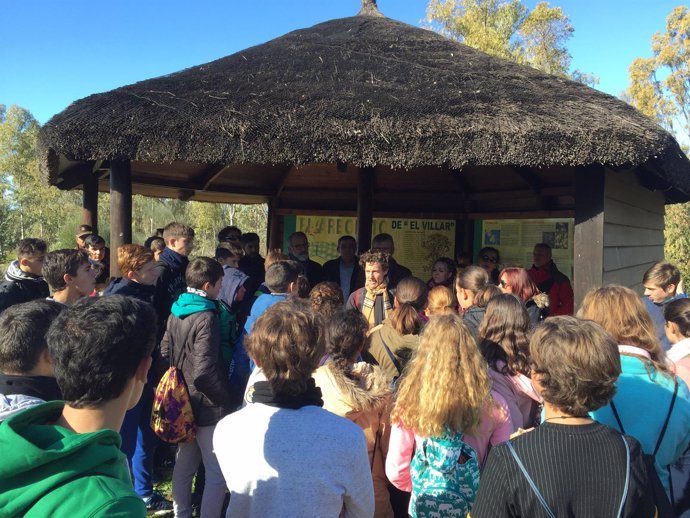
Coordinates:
503 283
489 258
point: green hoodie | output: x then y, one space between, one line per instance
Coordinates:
49 471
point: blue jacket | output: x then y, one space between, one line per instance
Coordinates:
642 399
262 303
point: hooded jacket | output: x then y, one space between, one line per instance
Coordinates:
20 392
364 400
537 308
20 286
129 288
48 470
402 347
472 318
192 337
170 284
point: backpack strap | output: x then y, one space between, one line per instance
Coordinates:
357 300
390 354
668 416
627 478
536 492
618 418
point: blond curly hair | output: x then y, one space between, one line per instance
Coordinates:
446 383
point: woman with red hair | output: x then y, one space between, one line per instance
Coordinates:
516 280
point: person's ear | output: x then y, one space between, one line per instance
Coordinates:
292 288
23 261
67 278
141 374
131 274
670 289
206 286
396 304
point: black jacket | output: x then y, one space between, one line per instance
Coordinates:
128 288
20 286
169 285
311 270
396 273
331 272
42 387
195 344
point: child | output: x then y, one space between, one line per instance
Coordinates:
281 280
23 281
192 343
661 284
63 458
234 280
27 377
139 273
69 275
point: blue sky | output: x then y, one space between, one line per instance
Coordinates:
53 52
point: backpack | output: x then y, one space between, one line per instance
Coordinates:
445 477
172 418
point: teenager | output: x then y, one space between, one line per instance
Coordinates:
443 273
63 458
24 278
282 454
69 274
474 290
661 285
516 280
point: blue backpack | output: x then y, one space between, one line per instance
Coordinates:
445 477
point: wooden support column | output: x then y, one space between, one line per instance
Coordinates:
120 209
90 202
365 207
588 264
275 226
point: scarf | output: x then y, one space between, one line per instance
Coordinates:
369 308
262 392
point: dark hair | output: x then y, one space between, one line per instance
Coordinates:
224 234
155 243
662 274
326 298
346 238
346 336
226 250
378 238
503 334
374 256
411 295
60 262
678 312
93 240
299 233
96 346
577 364
249 237
287 341
201 270
101 271
280 275
23 329
472 278
177 230
30 246
490 249
543 246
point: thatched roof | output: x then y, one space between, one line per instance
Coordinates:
365 91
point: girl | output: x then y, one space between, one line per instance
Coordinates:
503 342
516 280
440 301
473 289
442 273
445 395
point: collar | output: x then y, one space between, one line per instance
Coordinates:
635 351
679 350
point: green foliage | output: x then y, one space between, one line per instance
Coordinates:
677 238
508 29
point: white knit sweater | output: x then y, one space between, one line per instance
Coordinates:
281 463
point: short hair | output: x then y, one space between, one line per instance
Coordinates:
662 274
346 335
346 238
93 240
280 275
226 250
374 256
96 346
299 233
155 244
543 246
201 270
60 262
411 296
379 238
678 312
101 271
490 249
520 282
577 364
132 258
30 247
287 341
225 232
273 256
303 286
23 329
440 301
326 298
249 237
177 230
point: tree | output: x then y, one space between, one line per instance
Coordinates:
506 28
660 88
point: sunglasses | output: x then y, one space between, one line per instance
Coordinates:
489 258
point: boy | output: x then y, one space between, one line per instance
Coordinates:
23 281
660 285
62 459
192 343
179 241
138 440
281 280
27 377
69 275
235 281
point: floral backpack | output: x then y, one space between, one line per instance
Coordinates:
445 477
171 418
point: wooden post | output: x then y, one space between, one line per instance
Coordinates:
365 203
120 209
588 264
275 226
90 202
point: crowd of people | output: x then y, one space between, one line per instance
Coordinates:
348 389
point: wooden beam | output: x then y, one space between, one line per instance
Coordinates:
275 226
120 209
588 264
90 202
283 181
365 204
208 176
566 190
431 215
157 182
185 194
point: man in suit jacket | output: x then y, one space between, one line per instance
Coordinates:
396 271
345 270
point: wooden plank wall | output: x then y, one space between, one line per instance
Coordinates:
633 230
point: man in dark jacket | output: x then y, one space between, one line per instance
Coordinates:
345 271
23 281
298 248
551 281
396 271
193 343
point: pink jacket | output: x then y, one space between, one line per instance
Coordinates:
679 354
494 428
523 400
